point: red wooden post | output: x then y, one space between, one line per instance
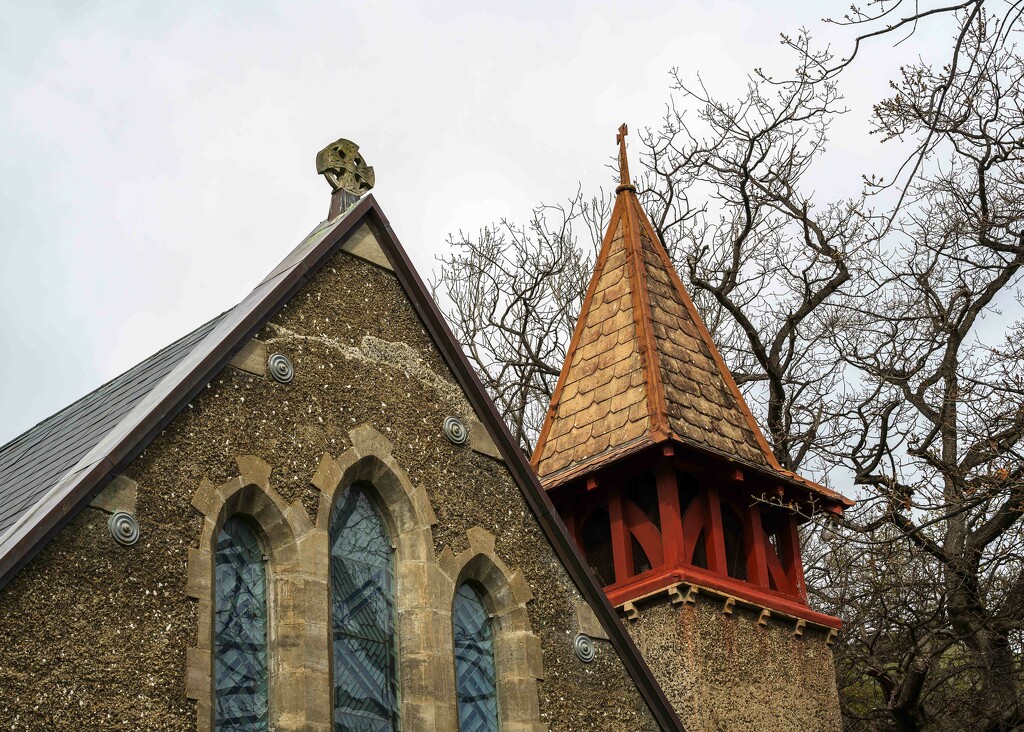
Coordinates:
789 547
757 559
622 547
714 536
669 513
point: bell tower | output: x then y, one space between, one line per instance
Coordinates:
654 461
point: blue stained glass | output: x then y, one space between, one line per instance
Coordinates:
475 678
362 617
240 631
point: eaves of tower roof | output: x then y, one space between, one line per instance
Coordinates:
642 369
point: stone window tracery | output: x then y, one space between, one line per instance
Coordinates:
241 689
365 676
475 675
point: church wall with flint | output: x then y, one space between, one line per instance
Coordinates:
98 636
731 666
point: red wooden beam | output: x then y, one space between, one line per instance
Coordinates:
651 582
693 522
778 574
622 547
671 518
714 536
645 532
789 547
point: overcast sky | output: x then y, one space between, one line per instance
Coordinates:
158 159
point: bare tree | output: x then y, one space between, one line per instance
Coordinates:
769 258
938 418
867 333
514 293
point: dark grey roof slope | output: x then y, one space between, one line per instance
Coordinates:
33 462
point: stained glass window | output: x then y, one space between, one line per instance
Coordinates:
362 617
475 677
240 631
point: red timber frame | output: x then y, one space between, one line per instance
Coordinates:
770 540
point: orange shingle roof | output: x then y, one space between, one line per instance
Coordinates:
642 368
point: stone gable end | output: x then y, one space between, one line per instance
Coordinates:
95 635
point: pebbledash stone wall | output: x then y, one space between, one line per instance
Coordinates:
736 670
97 636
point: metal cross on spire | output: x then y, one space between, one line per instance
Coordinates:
625 183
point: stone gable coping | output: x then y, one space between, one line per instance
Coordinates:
120 494
252 358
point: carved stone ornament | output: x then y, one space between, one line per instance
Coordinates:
344 168
584 648
123 527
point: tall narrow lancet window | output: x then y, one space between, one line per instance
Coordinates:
362 617
475 678
240 631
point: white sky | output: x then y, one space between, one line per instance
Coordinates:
158 159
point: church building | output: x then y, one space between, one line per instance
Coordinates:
308 515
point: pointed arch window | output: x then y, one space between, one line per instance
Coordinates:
365 683
475 676
240 630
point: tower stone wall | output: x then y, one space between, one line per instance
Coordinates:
730 672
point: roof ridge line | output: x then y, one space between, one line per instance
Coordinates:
570 351
643 319
705 335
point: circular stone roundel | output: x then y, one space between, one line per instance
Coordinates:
123 527
455 430
281 367
584 648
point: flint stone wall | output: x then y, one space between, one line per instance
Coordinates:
94 635
727 672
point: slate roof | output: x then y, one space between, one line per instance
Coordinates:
33 462
191 363
642 368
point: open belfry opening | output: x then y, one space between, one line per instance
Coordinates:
662 476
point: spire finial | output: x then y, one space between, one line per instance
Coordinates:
625 184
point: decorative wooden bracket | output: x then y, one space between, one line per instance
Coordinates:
727 606
631 612
764 617
798 631
831 637
678 597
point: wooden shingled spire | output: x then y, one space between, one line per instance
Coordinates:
641 368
